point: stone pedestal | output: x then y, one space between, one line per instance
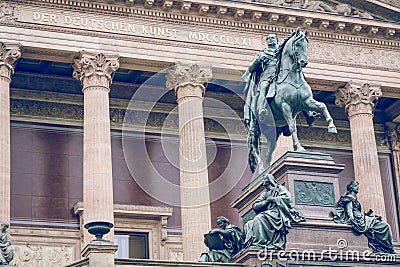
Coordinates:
100 254
358 100
8 55
187 80
283 145
312 179
94 71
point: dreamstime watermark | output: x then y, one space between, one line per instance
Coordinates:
340 253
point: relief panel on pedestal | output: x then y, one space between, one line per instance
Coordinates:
42 255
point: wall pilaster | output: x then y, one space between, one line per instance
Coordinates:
393 133
9 54
358 100
188 82
95 70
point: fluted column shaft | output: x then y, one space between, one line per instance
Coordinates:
8 56
94 72
187 80
358 100
393 132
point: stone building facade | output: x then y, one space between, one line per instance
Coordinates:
108 105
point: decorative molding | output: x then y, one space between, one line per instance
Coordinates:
188 73
373 53
393 133
358 98
321 135
67 109
158 12
314 193
176 255
134 211
33 108
42 255
351 55
92 68
9 54
323 54
312 5
8 12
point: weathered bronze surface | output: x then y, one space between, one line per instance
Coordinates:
6 250
348 211
276 92
314 193
275 213
223 243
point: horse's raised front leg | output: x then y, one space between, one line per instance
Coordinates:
314 105
287 113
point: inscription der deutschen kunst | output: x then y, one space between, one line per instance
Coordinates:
137 29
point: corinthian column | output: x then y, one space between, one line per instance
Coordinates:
187 80
8 55
95 73
393 132
358 100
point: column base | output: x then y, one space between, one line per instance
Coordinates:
100 253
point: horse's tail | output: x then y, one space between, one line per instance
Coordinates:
251 158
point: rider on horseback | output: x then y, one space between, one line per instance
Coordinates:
260 76
276 92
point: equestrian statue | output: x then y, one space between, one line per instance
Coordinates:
276 88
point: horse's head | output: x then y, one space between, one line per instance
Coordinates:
298 49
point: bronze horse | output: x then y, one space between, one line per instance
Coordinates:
293 95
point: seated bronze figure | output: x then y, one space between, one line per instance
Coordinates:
348 211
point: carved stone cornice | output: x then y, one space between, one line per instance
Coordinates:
354 55
8 12
194 75
95 70
393 133
358 98
240 15
8 56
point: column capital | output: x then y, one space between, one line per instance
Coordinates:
358 97
393 133
193 74
9 54
95 69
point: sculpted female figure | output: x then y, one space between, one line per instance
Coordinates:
229 242
275 213
348 211
6 250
